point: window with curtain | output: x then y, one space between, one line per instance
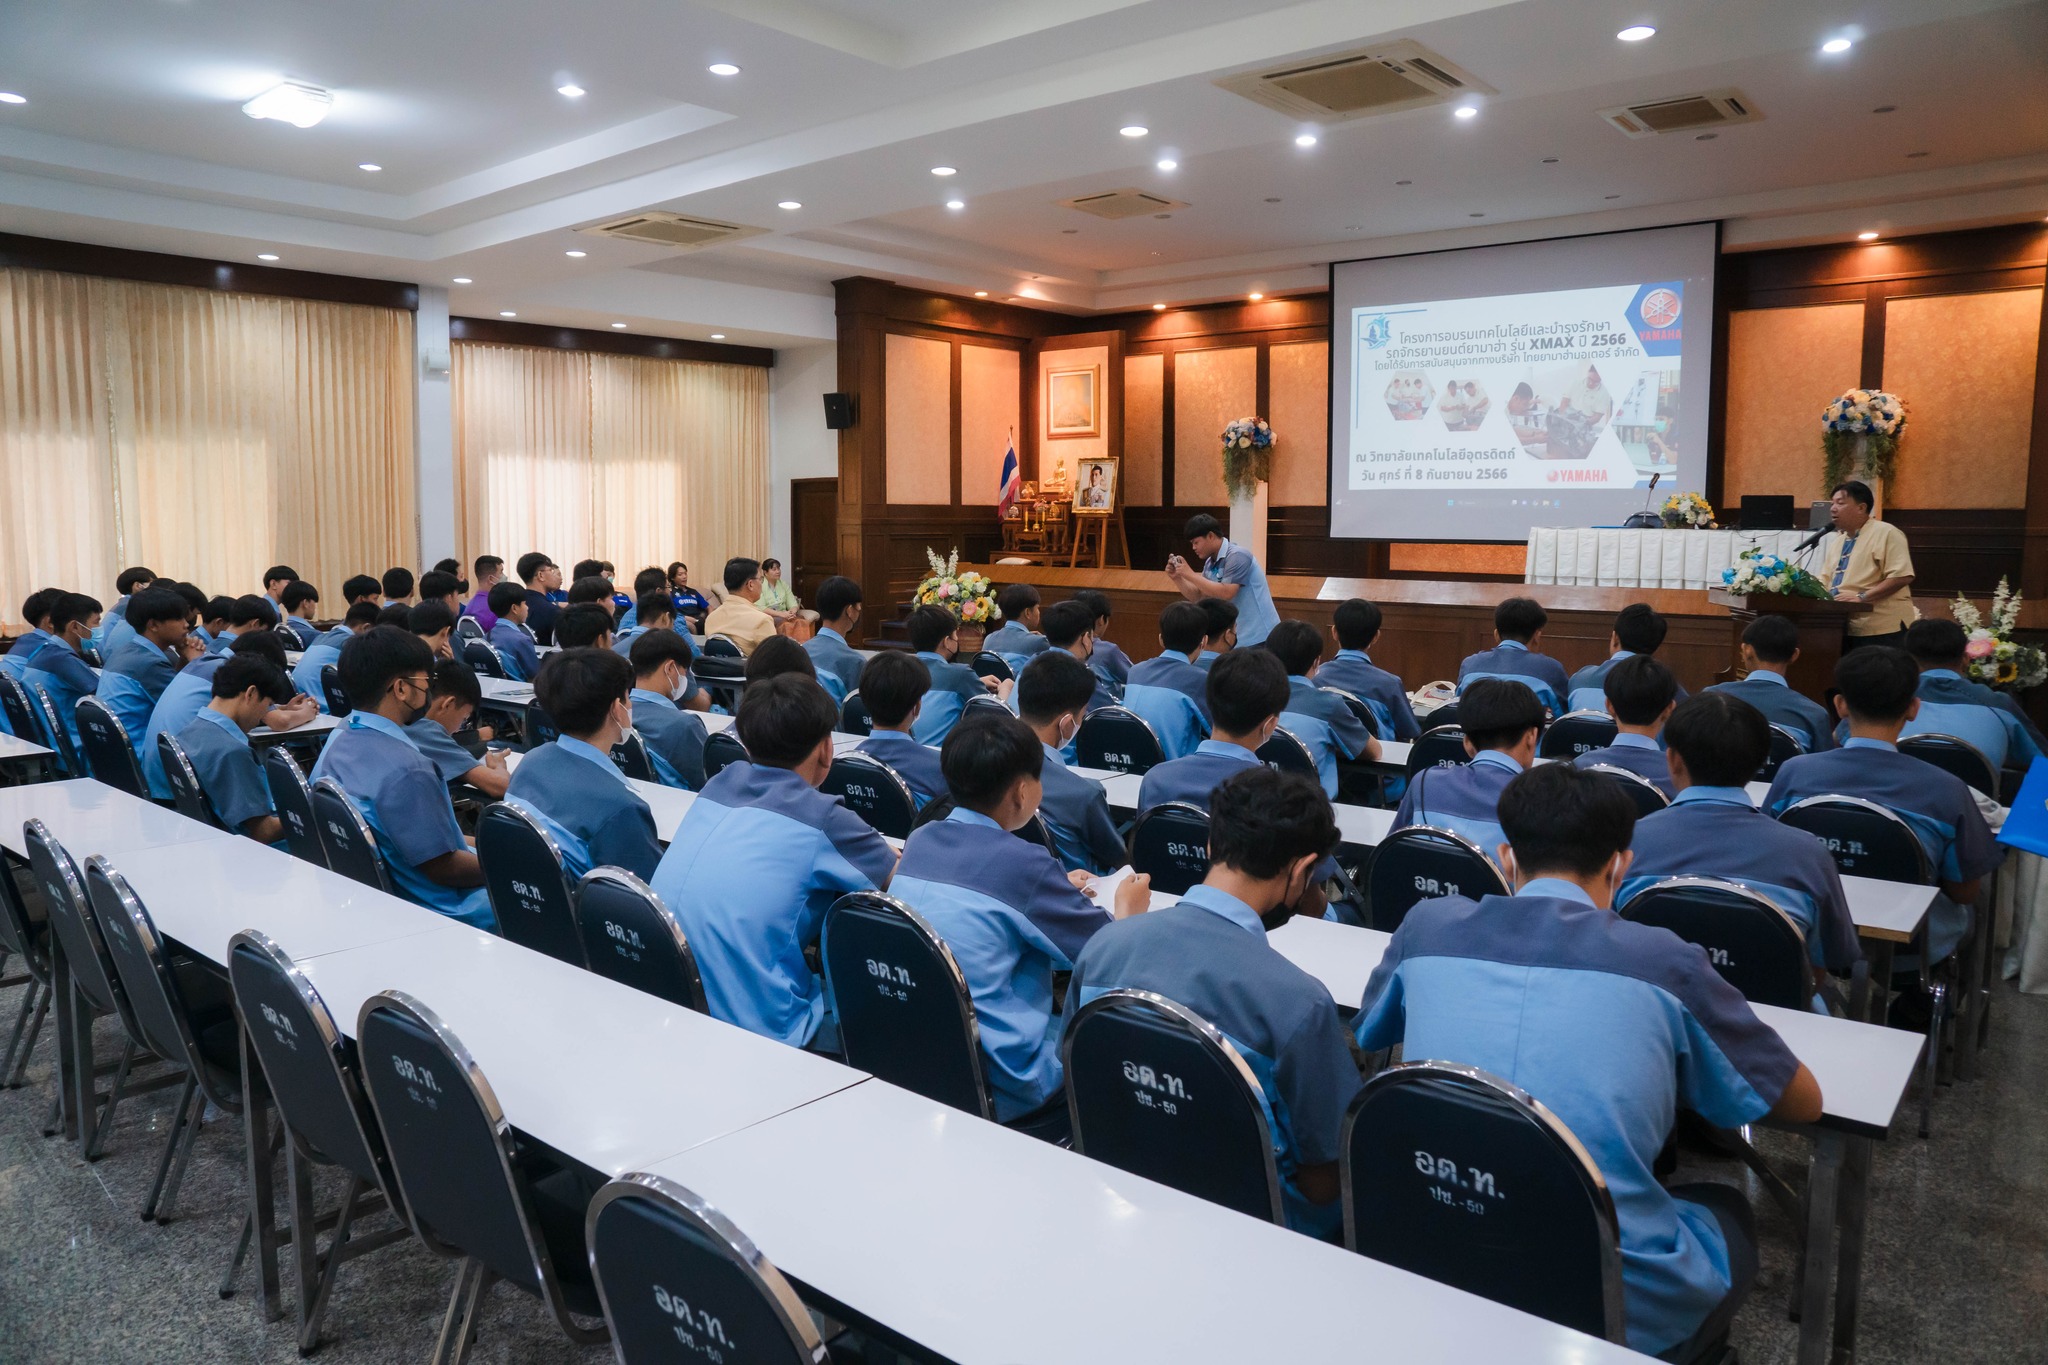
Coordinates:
206 435
633 460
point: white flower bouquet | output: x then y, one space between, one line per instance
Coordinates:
1871 417
969 596
1995 658
1247 455
1758 572
1688 510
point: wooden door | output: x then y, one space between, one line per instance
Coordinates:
813 534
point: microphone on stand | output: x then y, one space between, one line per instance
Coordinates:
1647 519
1815 538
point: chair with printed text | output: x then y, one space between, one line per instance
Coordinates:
875 792
294 802
1117 738
528 885
1170 843
1440 747
1641 790
1577 732
1421 863
631 937
350 843
332 692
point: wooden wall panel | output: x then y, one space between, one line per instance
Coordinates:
1144 430
1299 409
919 427
1211 389
1457 561
989 419
1964 363
1784 366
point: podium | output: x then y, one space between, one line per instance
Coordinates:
1823 626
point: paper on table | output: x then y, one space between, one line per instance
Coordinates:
1103 889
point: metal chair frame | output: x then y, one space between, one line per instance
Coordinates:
358 828
618 877
1418 834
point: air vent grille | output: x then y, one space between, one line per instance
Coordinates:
1348 85
1123 203
658 228
1684 114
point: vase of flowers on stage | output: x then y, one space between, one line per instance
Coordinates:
1859 438
968 595
1247 466
1688 512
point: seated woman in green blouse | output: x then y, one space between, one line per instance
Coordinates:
777 598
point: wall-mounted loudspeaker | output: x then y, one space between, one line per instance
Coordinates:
838 411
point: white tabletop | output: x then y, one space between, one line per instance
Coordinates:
1360 826
504 691
612 1076
320 722
986 1246
13 746
1394 754
1887 910
89 817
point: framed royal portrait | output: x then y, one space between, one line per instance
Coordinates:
1095 486
1073 402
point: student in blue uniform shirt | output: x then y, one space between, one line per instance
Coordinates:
1004 906
1268 831
540 580
1769 645
593 590
1356 626
1638 693
935 635
1320 720
451 700
1951 703
1228 571
1247 691
1168 692
251 611
434 623
396 585
1502 721
246 688
656 612
585 625
326 650
1518 628
301 603
839 663
571 784
1714 742
35 610
1612 1026
1052 696
1876 688
1638 629
57 666
1108 659
362 588
1020 640
1222 630
893 686
511 637
133 677
188 693
760 855
673 737
387 673
127 583
276 579
1070 629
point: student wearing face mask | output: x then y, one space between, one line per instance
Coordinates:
1052 696
673 736
452 699
571 784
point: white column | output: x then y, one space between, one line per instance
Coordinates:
1248 520
434 428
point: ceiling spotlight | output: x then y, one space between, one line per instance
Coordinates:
945 170
1835 46
789 204
1167 163
1134 130
1866 236
723 69
508 314
718 336
1255 297
9 97
1158 307
266 256
574 92
1467 111
620 325
302 106
463 279
956 203
368 166
981 293
1635 33
578 254
1305 140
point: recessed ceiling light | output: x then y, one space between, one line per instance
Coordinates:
9 97
463 279
945 170
1467 111
789 204
1134 130
956 203
620 325
723 69
1834 46
1305 140
508 314
266 256
1635 33
1167 163
1255 297
577 254
1866 236
718 336
574 92
981 293
1158 307
300 105
368 166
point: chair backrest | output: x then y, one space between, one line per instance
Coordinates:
990 665
350 843
1577 732
721 647
528 884
1170 843
483 656
60 738
1784 745
1357 707
904 1010
331 690
539 726
1640 789
186 793
294 802
1154 1089
853 715
1955 755
90 652
108 750
1444 715
1456 1175
18 933
1423 862
721 749
1116 737
875 792
469 628
1441 746
1865 839
631 937
630 753
670 1267
21 713
1751 941
73 930
1286 752
723 676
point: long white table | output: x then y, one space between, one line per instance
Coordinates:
1608 556
320 724
89 818
15 747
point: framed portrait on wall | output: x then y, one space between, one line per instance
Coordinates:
1073 402
1095 486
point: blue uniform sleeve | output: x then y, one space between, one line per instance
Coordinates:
1098 831
414 814
1971 854
1235 568
1317 1080
866 853
1382 1011
1065 916
1836 929
1406 727
1411 802
1347 730
233 783
627 840
1732 1066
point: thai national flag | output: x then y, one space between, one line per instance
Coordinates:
1006 493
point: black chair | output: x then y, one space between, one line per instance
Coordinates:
529 888
186 793
904 1010
1577 732
1032 831
108 752
1170 843
1117 738
294 802
1784 745
350 843
721 749
539 727
1421 863
1866 839
721 647
313 1078
467 627
853 715
330 689
631 937
27 938
987 665
664 1258
22 717
471 1189
1445 715
483 656
59 737
90 652
1754 944
1285 751
723 676
1154 1089
1357 707
1952 755
1455 1175
630 753
875 792
1641 790
1440 747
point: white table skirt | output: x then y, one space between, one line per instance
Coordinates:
1590 557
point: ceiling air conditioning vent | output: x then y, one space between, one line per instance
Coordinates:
1685 114
657 228
1348 85
1125 203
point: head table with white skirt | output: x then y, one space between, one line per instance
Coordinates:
1612 557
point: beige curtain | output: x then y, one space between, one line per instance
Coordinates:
205 435
633 460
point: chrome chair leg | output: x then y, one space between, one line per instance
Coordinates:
23 1042
1930 1068
471 1281
163 1164
309 1332
196 1122
100 1130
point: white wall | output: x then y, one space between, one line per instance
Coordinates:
434 419
800 447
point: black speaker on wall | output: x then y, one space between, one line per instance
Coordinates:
838 411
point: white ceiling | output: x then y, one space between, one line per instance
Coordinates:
133 136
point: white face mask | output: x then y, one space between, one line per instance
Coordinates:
681 688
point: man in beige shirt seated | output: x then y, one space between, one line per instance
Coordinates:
1867 561
738 618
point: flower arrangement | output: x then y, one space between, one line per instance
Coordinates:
1994 656
1688 510
1879 418
1247 455
969 596
1757 571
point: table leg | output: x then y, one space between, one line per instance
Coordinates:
1822 1185
1882 954
67 1040
262 1181
84 1085
1855 1199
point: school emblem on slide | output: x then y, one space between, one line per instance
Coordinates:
1660 308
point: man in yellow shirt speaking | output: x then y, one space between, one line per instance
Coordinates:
1867 561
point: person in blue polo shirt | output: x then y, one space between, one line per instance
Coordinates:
1052 697
1019 639
511 636
325 651
1107 659
1356 626
1517 629
1268 831
1005 907
1168 692
1070 629
839 664
760 855
1951 703
387 674
1769 645
127 583
584 625
893 686
187 696
673 737
1612 1026
935 635
1246 692
246 687
251 611
1638 629
300 601
58 668
133 677
1714 742
1221 617
1502 721
35 610
1320 720
451 701
571 784
540 583
1228 571
1638 693
648 580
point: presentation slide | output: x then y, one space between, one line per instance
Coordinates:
1478 393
